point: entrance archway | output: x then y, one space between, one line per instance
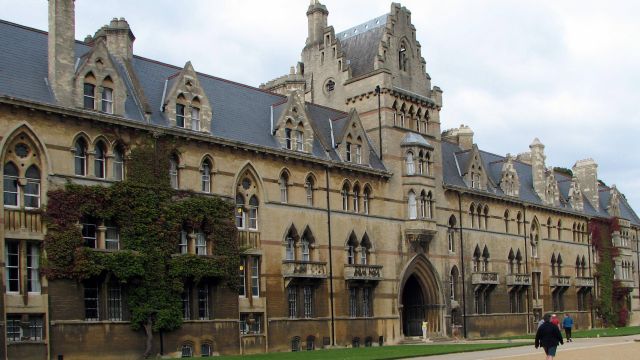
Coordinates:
421 298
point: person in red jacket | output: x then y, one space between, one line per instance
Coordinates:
548 336
555 321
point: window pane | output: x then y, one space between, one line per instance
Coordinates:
12 259
183 246
292 297
186 304
203 302
308 301
89 96
180 115
33 268
115 303
242 275
10 182
201 244
112 238
107 100
91 301
14 329
195 119
255 277
32 194
89 235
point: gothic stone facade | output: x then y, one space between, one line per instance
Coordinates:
359 219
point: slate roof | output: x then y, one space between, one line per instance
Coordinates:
454 163
415 139
240 113
359 44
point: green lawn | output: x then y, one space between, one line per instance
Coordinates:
602 332
385 352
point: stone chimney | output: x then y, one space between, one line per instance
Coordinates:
586 171
463 136
118 37
61 48
538 167
317 15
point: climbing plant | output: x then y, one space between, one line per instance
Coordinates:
149 215
610 304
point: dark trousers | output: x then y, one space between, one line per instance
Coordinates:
567 331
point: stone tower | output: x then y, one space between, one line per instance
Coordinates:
538 168
61 49
317 15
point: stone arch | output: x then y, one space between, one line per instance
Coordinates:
421 297
27 130
248 169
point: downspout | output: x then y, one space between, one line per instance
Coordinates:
378 91
594 281
333 325
526 267
464 294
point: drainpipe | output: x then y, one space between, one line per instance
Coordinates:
590 275
464 294
378 91
333 325
526 266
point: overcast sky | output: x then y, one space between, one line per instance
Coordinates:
567 72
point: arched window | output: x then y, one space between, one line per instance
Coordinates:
472 214
423 205
349 150
553 264
311 340
559 229
345 197
118 163
356 198
358 150
453 283
365 249
534 238
410 165
295 343
476 259
427 163
107 95
288 142
486 217
351 249
32 188
89 92
290 245
10 191
506 221
195 114
485 259
240 212
299 138
519 221
205 176
305 247
549 228
308 186
253 212
205 349
80 157
402 57
451 234
174 176
559 264
284 184
186 351
99 160
366 200
412 210
511 259
180 111
429 205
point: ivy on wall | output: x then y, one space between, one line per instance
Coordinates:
149 215
610 305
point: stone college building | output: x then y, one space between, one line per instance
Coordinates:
358 216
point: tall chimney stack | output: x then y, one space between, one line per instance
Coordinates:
62 49
538 168
586 171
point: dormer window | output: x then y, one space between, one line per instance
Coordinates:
402 57
89 96
348 151
287 138
195 119
358 153
180 115
107 100
299 140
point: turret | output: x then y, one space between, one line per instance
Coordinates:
317 15
118 37
586 171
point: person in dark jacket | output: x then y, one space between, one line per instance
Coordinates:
548 336
567 324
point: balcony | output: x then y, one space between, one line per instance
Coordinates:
560 281
419 233
626 283
248 240
485 278
363 272
21 220
304 269
584 282
518 280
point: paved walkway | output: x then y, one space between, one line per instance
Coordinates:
614 348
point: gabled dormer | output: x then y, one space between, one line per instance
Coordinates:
509 180
575 195
293 128
613 207
351 140
551 193
97 83
475 175
185 103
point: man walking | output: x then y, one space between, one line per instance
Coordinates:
548 335
567 324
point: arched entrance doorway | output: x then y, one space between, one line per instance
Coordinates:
420 298
413 307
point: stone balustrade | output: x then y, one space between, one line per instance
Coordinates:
304 269
363 272
485 278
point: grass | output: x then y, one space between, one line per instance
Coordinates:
600 332
384 352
